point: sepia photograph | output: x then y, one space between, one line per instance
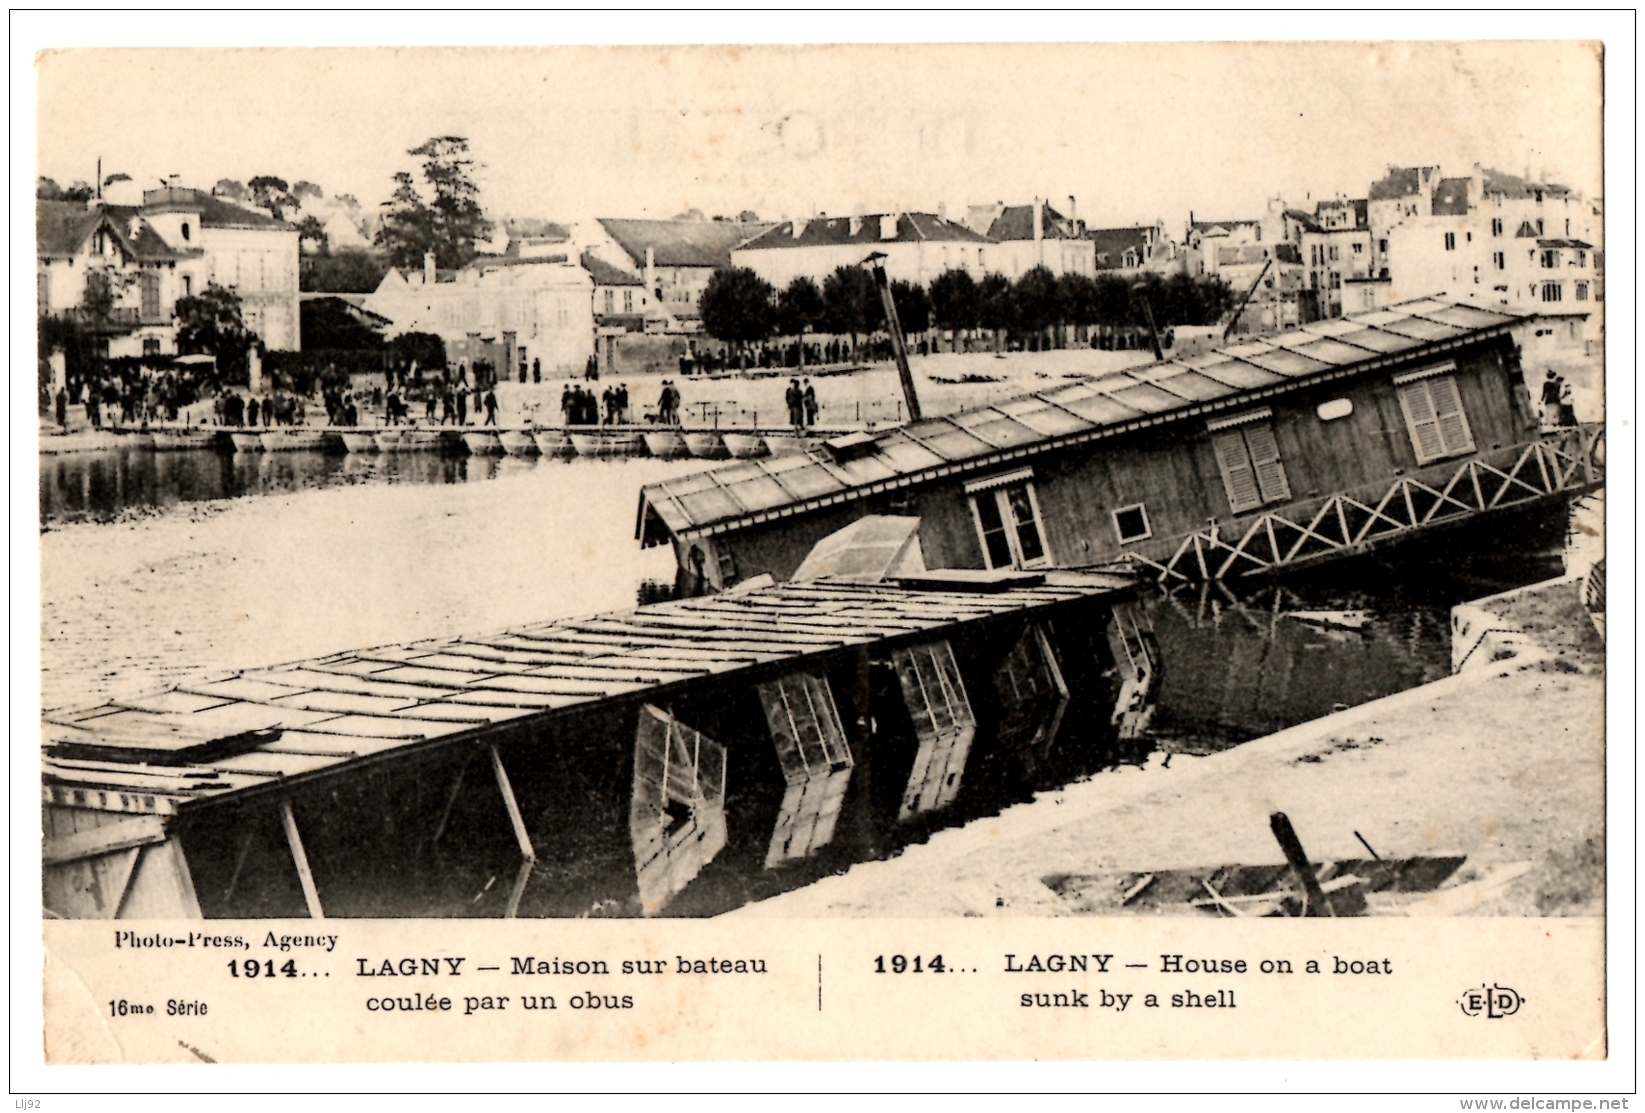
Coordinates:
1158 487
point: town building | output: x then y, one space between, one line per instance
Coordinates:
917 247
1319 442
149 248
509 312
1035 235
1500 241
1138 249
674 259
1338 250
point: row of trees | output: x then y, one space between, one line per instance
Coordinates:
741 308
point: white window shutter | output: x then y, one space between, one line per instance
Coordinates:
1237 475
1265 460
1453 423
1423 422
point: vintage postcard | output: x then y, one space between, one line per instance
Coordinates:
814 553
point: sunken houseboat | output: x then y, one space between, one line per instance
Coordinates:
681 757
1316 443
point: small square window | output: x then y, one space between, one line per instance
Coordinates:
1131 522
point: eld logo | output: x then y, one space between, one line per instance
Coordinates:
1493 1002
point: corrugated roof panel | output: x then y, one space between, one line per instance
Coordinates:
709 505
759 492
996 427
1293 365
1044 418
1148 399
1095 406
1192 386
1422 328
869 468
905 454
1335 327
809 479
1333 352
948 440
1379 341
1469 316
1239 375
1381 317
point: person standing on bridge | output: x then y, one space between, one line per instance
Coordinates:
808 403
491 406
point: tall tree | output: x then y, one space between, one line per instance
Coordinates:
231 189
996 308
954 300
800 307
738 306
271 193
853 304
311 236
449 221
211 322
913 306
1038 307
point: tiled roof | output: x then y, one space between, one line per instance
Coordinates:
680 243
1309 224
604 274
1112 243
1016 222
214 211
1451 197
752 491
1514 187
836 230
62 227
1401 181
260 730
1575 245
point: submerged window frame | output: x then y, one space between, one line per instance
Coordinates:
996 491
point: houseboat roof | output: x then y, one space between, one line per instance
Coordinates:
752 491
262 729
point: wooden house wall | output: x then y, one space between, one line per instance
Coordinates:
1171 469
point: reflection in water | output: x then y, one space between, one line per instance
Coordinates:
108 485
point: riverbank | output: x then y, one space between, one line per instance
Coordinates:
1504 764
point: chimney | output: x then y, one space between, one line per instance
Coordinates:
888 226
1039 220
429 269
174 181
1073 214
942 211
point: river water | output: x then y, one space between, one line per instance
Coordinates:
160 566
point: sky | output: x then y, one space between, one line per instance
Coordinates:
1134 132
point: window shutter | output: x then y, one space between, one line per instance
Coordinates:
1453 423
1265 460
1423 422
1237 475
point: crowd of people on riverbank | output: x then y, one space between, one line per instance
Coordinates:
580 406
125 396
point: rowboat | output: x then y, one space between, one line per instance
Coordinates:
387 440
518 442
666 444
786 444
418 439
706 445
247 442
608 444
294 440
356 441
745 446
483 442
172 440
554 442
